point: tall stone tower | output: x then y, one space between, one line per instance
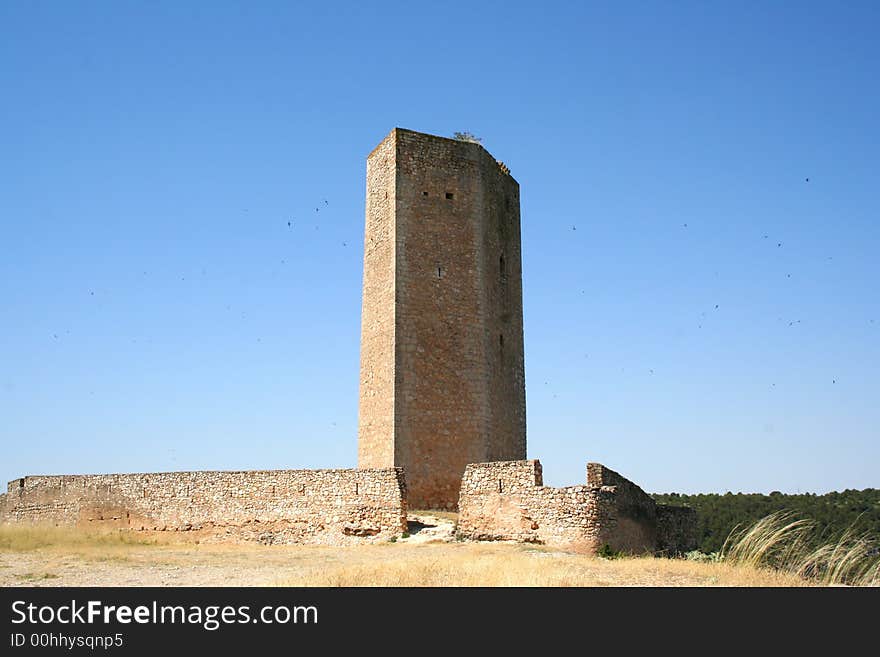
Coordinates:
442 379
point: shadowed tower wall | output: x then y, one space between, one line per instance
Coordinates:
442 378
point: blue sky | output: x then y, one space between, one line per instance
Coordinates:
698 315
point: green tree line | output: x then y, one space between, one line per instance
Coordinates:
718 514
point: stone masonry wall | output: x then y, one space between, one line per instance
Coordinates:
332 507
676 529
377 362
630 525
446 299
508 501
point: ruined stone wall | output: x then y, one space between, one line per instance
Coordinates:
676 529
507 501
271 506
458 377
630 524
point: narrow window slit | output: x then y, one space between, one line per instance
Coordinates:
449 195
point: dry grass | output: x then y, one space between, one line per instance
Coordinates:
49 556
52 545
23 538
498 565
68 557
784 543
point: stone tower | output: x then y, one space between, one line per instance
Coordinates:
442 379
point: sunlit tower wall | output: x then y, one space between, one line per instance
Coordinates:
442 381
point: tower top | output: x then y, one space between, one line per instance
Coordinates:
478 147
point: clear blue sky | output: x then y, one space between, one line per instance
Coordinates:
698 316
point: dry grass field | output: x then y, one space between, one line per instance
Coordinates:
38 556
775 551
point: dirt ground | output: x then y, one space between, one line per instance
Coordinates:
428 557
